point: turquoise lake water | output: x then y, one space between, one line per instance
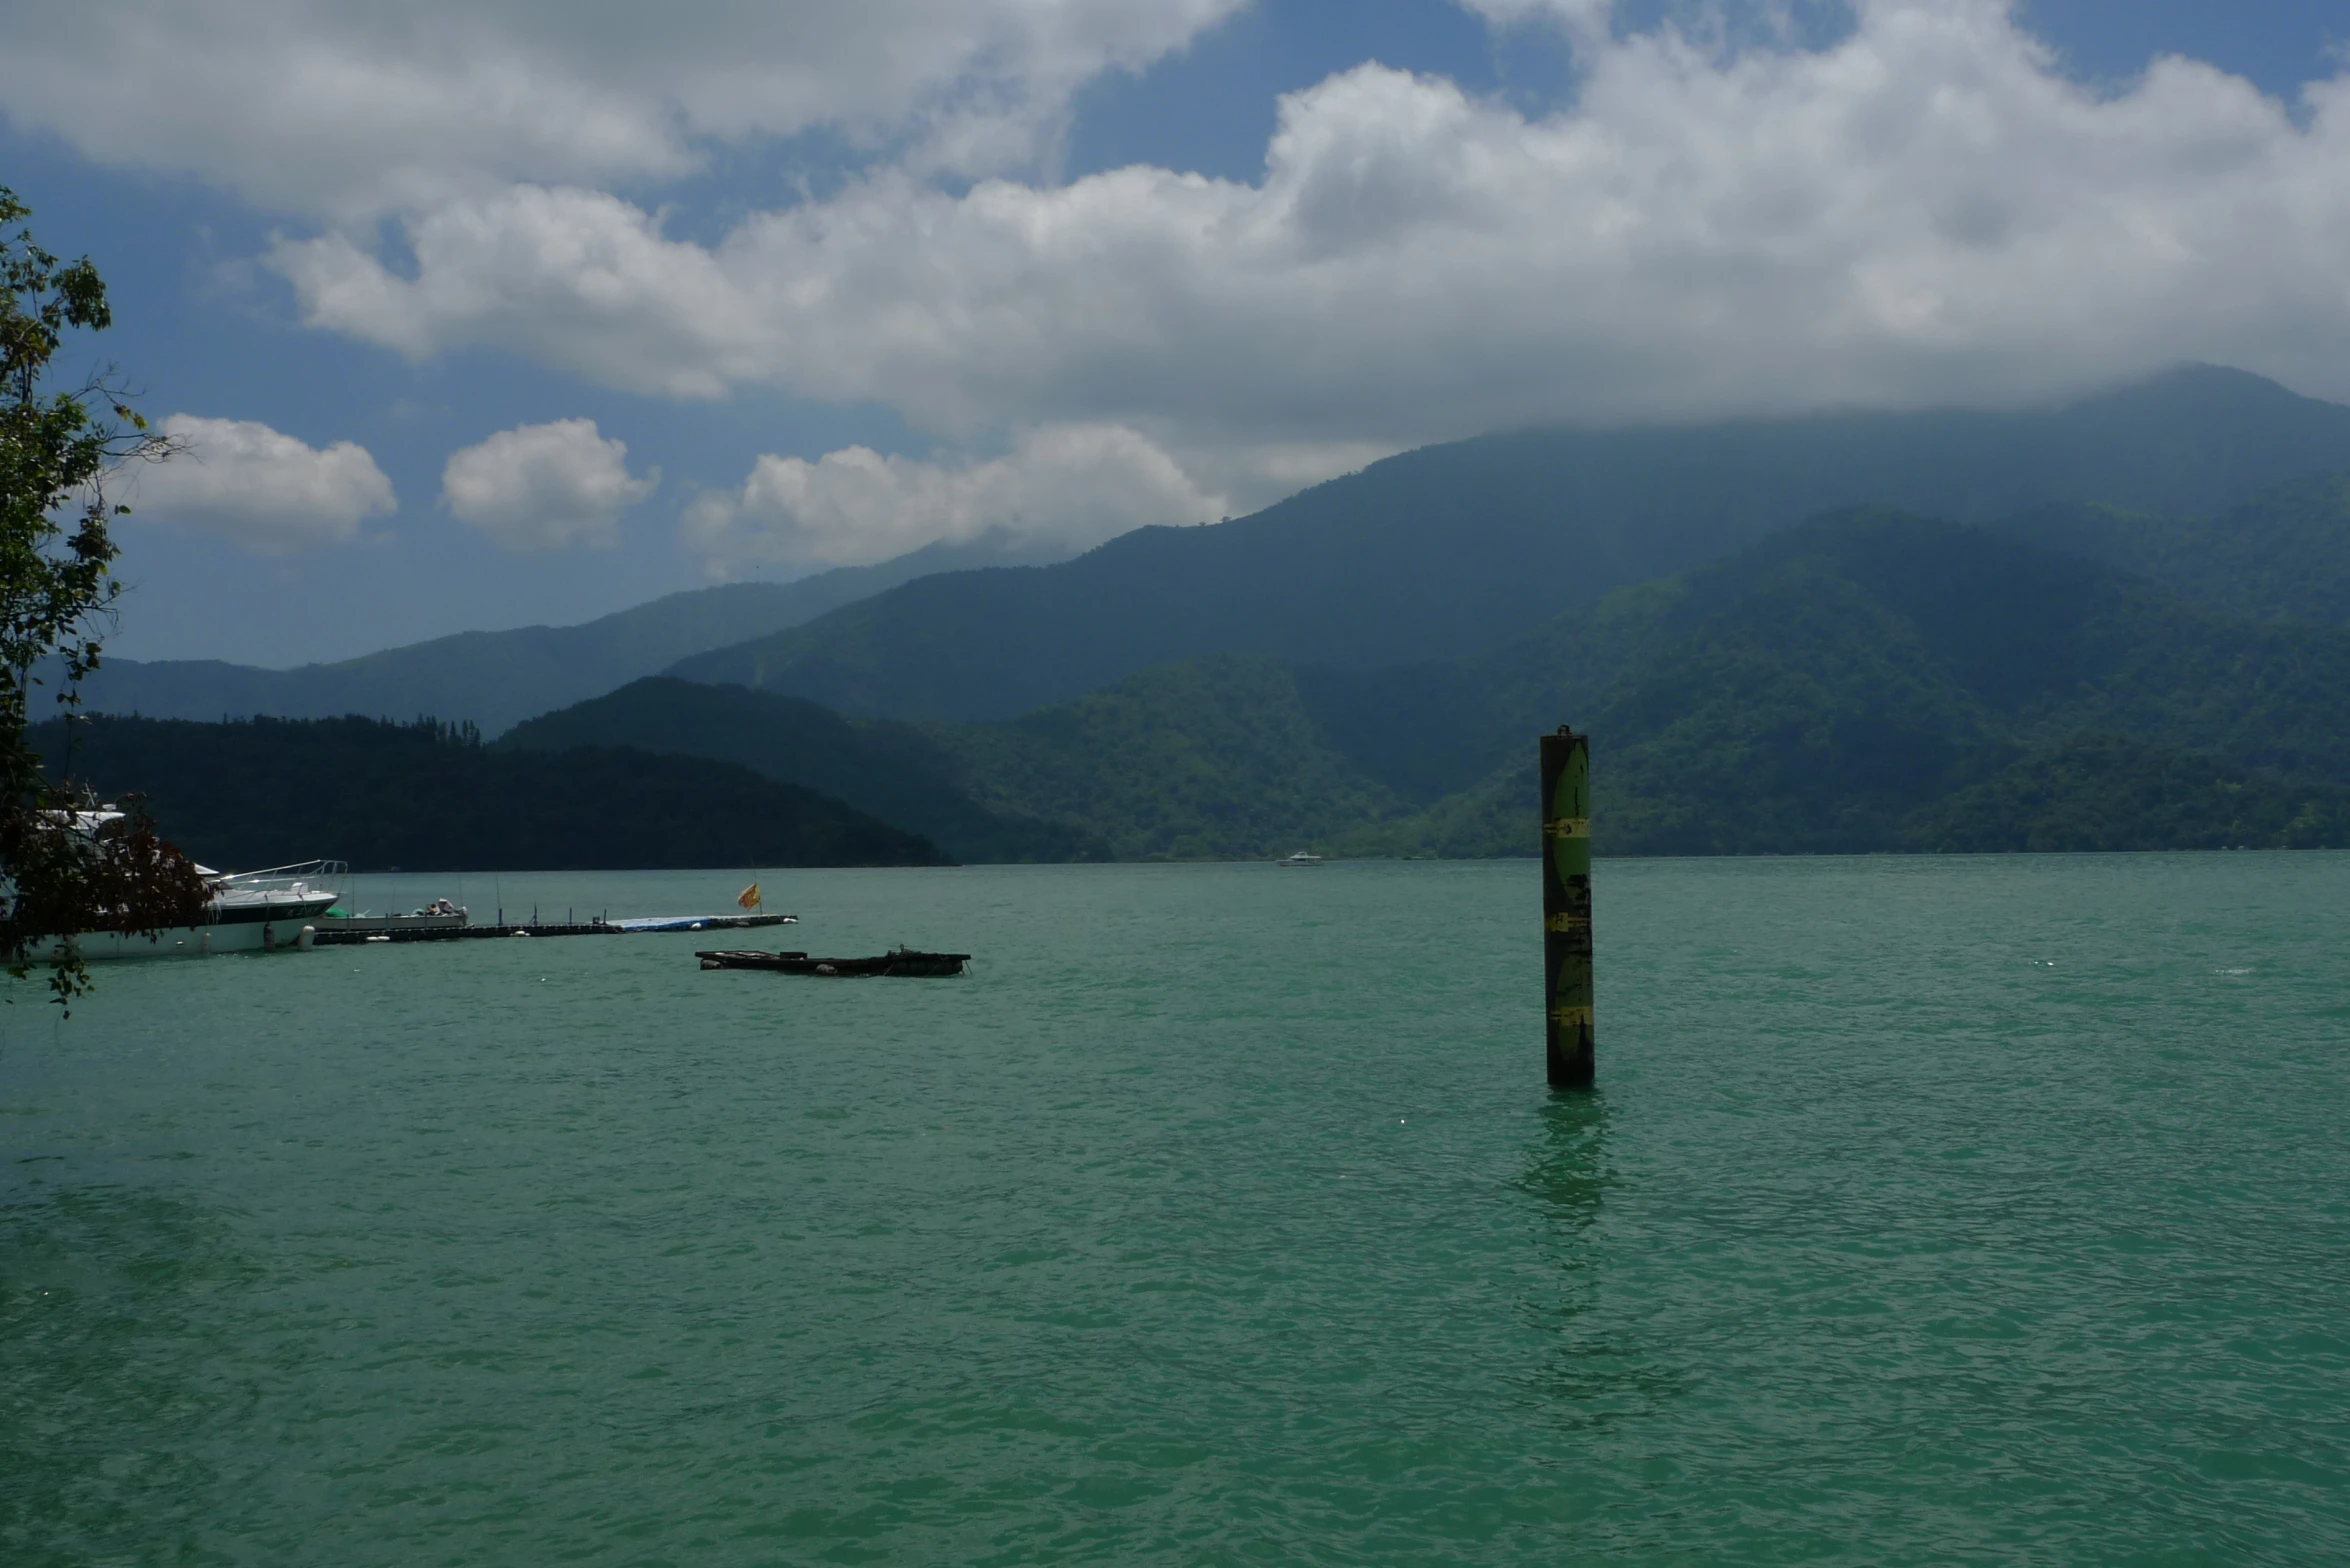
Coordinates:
1973 1210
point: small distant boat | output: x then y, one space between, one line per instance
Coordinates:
898 963
1301 858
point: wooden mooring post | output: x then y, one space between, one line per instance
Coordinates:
1566 906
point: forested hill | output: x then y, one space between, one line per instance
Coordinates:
496 679
1444 551
428 797
894 771
1869 681
2282 556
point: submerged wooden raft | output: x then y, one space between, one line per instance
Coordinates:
899 963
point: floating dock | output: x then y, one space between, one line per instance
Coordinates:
336 932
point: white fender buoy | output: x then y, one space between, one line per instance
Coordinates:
308 936
268 937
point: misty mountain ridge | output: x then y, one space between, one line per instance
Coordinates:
1847 687
1868 680
497 679
2284 555
2148 647
1448 550
1428 555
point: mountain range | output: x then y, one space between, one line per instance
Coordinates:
1432 554
1449 550
2123 623
1868 680
1837 688
496 679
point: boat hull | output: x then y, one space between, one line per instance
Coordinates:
236 929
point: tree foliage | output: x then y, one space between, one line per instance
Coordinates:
894 771
58 445
430 797
1866 681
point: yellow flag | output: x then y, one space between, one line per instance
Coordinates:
748 898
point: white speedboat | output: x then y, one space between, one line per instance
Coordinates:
1301 858
250 912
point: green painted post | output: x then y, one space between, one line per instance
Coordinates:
1566 906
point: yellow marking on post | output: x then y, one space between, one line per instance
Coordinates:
1567 924
1571 1017
1566 827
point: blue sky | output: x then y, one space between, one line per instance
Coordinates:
848 292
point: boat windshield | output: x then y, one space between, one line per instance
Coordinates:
309 879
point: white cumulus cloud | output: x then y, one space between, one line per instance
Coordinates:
240 480
1075 484
545 487
1926 212
354 107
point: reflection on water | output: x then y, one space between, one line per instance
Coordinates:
1567 1168
1596 1371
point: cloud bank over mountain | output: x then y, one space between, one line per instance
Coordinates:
1926 210
1076 484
